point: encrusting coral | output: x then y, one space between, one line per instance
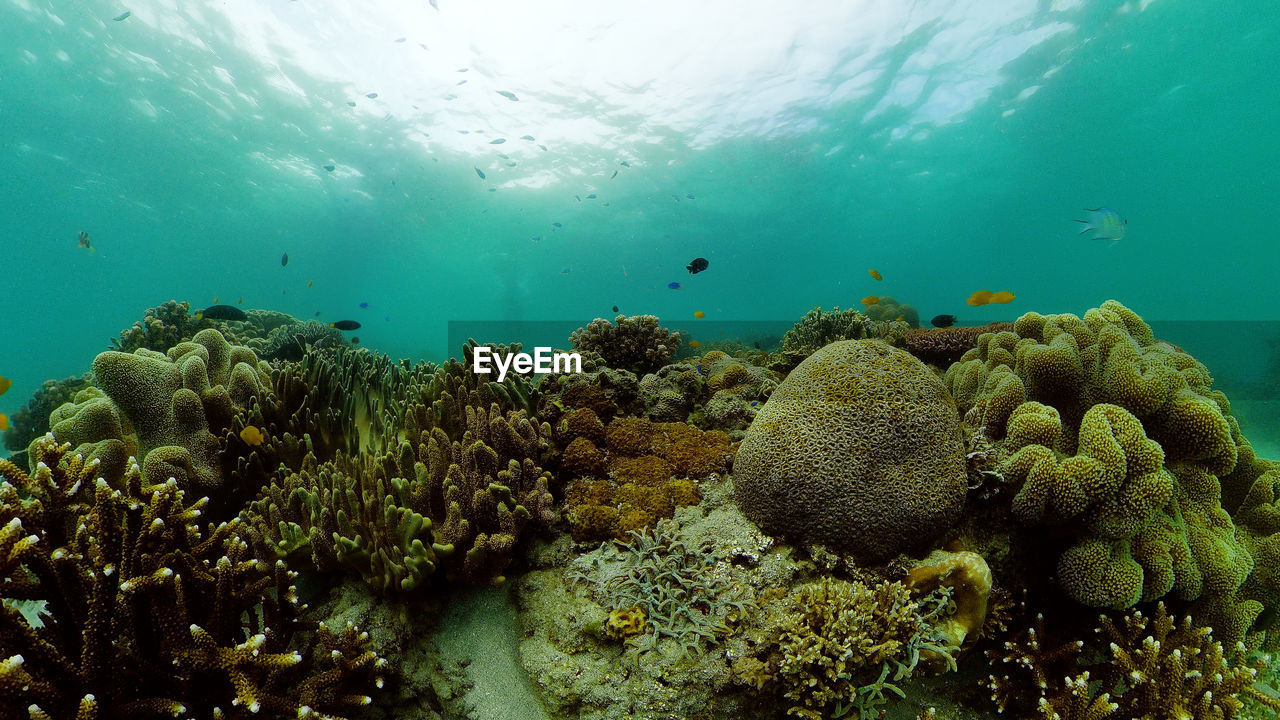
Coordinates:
143 613
638 343
859 449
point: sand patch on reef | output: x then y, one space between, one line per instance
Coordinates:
478 635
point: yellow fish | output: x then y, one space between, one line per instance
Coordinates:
875 274
870 300
309 283
982 297
695 344
252 435
215 300
5 384
699 314
1003 297
4 422
241 300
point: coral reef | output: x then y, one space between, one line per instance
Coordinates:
292 341
1114 442
1134 666
833 648
859 449
817 329
175 404
646 471
144 613
160 328
943 346
968 581
890 310
638 343
32 419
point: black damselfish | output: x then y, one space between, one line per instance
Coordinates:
345 325
943 321
697 266
222 312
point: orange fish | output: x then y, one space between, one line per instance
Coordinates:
309 283
870 300
875 274
1003 297
982 297
252 435
695 344
5 384
4 422
699 314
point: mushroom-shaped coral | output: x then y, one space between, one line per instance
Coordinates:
859 448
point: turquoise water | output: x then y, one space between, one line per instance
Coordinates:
949 145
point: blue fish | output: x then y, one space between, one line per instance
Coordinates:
364 305
592 196
1105 223
557 224
673 285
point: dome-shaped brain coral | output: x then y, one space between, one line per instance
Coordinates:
859 449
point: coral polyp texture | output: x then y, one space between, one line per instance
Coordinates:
144 613
638 343
860 449
1115 441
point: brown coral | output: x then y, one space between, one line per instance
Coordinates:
859 448
943 346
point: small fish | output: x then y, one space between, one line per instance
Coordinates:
497 141
284 259
508 95
480 173
355 340
371 95
512 164
697 265
504 156
875 274
556 224
673 285
1004 297
530 138
690 196
615 308
544 147
328 168
251 435
84 241
614 175
310 283
566 271
1106 224
434 4
592 196
317 313
351 103
943 321
755 403
4 422
387 318
536 238
400 40
870 300
624 163
699 314
240 301
5 384
345 325
578 198
123 16
364 306
695 344
215 300
982 297
222 312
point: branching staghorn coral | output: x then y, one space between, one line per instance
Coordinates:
683 592
145 614
1134 666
